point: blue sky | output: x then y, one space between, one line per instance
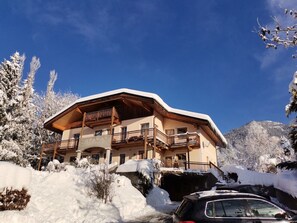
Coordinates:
201 56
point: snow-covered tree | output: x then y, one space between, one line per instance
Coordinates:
285 35
10 108
47 104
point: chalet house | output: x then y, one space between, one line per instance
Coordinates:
124 124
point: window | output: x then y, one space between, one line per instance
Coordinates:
122 158
182 130
96 157
264 209
76 136
141 154
181 157
227 208
124 133
144 127
98 132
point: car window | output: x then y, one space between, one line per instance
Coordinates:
227 208
261 208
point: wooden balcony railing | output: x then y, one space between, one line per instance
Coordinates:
191 139
97 115
104 116
168 141
60 145
202 166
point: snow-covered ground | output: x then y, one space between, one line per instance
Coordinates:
284 180
64 197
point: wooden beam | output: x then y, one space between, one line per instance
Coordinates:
147 108
111 124
83 125
55 150
145 144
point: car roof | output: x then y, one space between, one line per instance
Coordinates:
218 194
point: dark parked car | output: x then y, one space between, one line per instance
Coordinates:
229 206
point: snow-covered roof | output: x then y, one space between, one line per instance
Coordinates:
148 95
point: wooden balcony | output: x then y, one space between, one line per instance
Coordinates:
163 140
101 117
60 146
130 138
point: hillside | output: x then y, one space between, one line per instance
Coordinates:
256 145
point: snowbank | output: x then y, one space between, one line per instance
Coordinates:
286 180
126 198
64 197
14 176
250 177
146 167
158 197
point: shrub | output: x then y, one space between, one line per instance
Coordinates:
100 185
55 166
11 199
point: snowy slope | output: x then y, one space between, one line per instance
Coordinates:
58 197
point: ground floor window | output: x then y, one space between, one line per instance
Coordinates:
141 154
168 161
122 158
72 159
180 160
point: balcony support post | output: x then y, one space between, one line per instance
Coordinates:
78 152
55 150
145 143
155 140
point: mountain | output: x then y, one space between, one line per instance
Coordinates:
257 145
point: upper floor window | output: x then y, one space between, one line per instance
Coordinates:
76 136
144 127
98 132
182 130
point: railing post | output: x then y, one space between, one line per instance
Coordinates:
155 140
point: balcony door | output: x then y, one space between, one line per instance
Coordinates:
124 133
144 128
76 140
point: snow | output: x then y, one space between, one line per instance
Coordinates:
286 180
146 167
250 177
64 197
13 176
148 95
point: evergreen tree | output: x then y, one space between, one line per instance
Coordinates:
10 108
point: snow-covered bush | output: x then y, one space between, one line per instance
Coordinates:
83 163
10 151
55 166
100 185
12 199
